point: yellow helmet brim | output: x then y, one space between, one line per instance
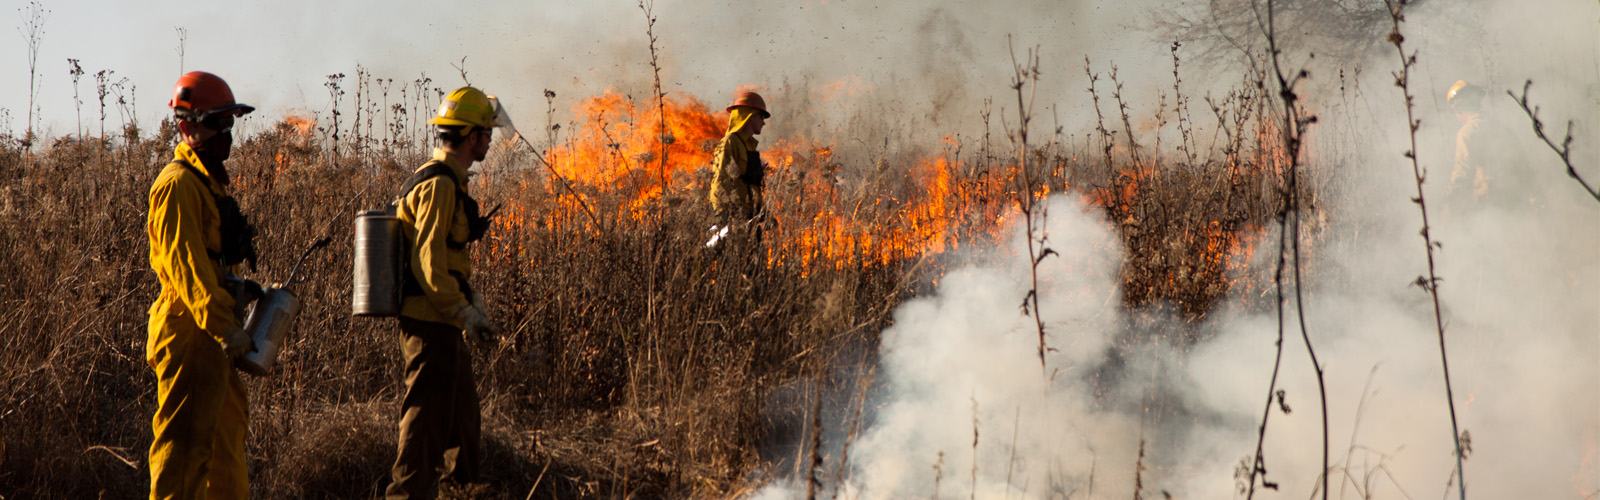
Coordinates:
440 120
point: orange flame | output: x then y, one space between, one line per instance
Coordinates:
618 145
625 169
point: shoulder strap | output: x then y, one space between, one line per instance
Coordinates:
431 170
204 179
237 231
411 284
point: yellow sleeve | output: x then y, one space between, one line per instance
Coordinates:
729 159
434 201
179 238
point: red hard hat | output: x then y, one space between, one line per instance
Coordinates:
750 99
199 94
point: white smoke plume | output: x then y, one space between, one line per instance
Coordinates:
1524 353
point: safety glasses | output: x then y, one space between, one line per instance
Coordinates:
220 122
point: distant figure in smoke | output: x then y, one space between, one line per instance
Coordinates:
738 175
1483 160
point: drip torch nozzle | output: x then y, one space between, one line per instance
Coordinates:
296 272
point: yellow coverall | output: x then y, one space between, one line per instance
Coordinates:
1486 152
440 424
731 196
202 415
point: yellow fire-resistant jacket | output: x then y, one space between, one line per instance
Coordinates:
183 224
429 214
731 195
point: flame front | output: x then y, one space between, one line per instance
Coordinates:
622 166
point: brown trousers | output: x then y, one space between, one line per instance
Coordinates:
440 428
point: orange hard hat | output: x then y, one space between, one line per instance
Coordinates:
199 94
750 99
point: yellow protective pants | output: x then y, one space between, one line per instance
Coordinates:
202 416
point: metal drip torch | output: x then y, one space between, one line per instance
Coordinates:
271 318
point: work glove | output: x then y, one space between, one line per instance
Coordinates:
245 293
235 342
475 325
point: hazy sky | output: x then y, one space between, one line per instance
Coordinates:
276 54
931 61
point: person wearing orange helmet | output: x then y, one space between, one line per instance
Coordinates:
197 238
738 174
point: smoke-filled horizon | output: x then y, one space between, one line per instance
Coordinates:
917 71
276 55
928 65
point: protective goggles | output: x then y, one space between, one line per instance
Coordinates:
219 122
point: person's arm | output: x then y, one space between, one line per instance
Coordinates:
730 157
178 237
435 203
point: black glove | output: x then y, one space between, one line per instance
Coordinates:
245 292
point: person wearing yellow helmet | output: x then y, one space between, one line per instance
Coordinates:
197 238
440 431
1484 152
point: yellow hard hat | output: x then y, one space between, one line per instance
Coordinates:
466 106
1454 89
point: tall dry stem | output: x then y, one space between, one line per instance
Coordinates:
1293 129
1181 108
1429 283
665 137
1026 76
76 71
334 96
183 40
32 29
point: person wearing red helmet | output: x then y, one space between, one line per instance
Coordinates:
197 238
738 175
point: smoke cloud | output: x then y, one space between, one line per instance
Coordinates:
967 410
967 395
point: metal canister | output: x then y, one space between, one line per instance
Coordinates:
376 287
268 325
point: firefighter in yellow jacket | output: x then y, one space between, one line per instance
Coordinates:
197 235
1487 169
738 174
439 421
